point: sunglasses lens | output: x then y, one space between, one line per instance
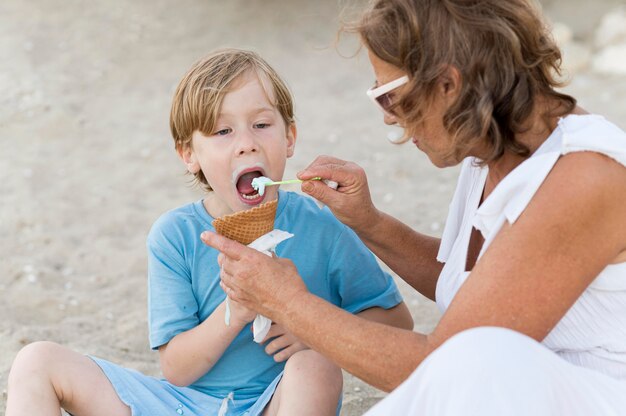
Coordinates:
385 101
384 94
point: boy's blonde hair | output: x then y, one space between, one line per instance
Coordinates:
199 94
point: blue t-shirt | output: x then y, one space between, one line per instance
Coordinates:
184 283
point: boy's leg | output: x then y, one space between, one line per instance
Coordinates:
45 377
311 385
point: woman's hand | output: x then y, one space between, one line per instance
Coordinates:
351 202
258 282
284 344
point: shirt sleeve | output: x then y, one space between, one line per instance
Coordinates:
356 277
172 307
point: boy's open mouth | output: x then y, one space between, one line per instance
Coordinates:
247 193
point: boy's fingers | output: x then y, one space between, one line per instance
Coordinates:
270 333
277 344
286 353
275 330
229 286
278 329
222 244
227 289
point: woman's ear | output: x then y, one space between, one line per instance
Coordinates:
450 83
187 155
292 134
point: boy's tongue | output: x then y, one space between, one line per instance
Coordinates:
244 184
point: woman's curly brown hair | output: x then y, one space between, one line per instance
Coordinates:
502 49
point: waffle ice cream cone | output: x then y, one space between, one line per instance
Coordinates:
246 226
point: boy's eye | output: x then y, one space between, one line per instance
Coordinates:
222 132
262 125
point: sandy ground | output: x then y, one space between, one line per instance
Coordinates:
87 164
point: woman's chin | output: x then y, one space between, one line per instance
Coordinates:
441 162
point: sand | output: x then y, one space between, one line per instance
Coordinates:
87 163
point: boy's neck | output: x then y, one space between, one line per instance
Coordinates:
215 206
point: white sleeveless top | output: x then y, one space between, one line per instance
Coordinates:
593 332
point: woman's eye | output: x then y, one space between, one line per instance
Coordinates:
222 132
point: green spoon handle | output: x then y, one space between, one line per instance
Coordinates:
317 178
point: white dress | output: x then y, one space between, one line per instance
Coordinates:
580 367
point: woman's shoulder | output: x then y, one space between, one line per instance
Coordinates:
592 133
592 149
578 150
589 170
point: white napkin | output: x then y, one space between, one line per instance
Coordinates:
331 184
266 245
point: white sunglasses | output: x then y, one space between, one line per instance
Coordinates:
380 95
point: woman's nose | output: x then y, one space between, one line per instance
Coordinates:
390 120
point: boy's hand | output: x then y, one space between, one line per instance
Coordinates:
239 313
284 344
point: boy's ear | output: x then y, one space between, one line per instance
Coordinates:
292 134
188 157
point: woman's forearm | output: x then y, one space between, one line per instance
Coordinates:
381 355
411 255
398 316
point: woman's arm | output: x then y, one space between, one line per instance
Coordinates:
411 255
537 268
398 316
526 280
380 354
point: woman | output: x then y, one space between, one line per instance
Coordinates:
531 269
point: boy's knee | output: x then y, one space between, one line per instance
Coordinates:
33 359
314 366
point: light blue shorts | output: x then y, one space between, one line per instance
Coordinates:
150 396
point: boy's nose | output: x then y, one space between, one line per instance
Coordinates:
246 143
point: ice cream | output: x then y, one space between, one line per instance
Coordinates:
259 184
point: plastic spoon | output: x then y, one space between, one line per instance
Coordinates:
261 182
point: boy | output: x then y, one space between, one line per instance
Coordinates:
232 120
